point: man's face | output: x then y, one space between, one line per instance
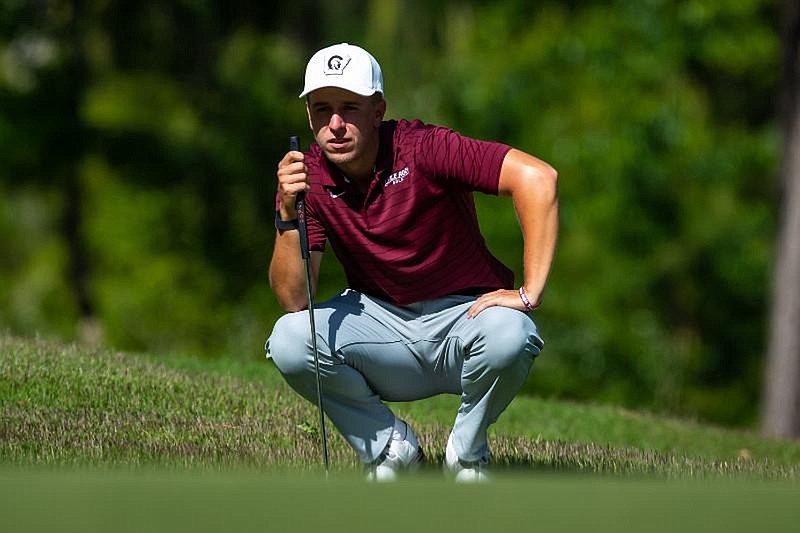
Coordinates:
344 124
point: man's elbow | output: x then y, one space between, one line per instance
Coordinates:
522 172
293 307
548 180
289 298
542 178
291 303
551 174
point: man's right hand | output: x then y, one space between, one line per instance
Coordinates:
292 180
286 270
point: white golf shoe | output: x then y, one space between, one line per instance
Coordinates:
402 454
464 471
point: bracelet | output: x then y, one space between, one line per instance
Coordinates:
284 225
525 300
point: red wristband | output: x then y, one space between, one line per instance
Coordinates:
525 300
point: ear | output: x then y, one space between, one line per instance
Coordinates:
380 111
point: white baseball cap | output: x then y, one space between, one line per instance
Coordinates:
346 66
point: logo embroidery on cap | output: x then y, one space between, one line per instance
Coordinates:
335 64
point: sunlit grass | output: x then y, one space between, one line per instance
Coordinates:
68 406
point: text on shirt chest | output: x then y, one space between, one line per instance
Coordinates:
396 177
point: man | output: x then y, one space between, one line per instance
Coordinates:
428 309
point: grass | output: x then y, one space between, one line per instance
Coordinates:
97 440
150 501
67 406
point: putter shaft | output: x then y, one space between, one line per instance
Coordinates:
294 144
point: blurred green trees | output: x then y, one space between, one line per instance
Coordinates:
139 140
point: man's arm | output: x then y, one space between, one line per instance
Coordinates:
286 270
532 185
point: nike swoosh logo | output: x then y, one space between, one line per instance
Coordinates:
336 195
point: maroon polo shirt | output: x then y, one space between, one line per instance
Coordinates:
414 235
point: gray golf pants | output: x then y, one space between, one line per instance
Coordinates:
371 350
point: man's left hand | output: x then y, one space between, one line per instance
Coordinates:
501 298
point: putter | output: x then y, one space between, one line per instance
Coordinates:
294 144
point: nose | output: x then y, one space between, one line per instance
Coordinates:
336 123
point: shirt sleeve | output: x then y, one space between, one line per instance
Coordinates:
461 161
316 232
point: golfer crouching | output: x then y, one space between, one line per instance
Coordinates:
428 309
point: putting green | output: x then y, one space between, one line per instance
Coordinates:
119 502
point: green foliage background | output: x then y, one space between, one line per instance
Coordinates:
139 141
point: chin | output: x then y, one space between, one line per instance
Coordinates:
342 158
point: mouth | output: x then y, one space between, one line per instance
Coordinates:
339 144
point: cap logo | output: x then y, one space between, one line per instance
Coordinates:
335 64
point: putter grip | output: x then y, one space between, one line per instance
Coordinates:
300 206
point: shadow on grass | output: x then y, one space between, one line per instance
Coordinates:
524 456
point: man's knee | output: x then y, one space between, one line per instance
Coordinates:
289 343
509 337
